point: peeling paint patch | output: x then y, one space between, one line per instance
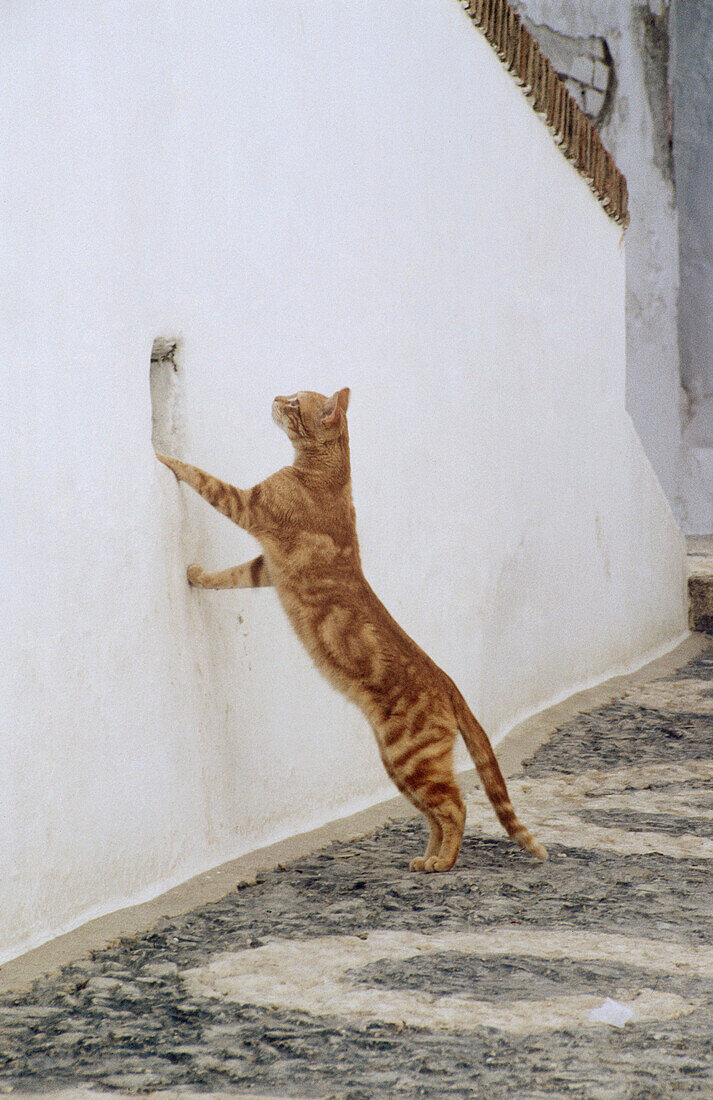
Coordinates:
584 64
572 129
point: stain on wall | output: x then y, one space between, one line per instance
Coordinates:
653 43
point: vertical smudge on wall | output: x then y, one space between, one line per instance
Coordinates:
653 43
168 417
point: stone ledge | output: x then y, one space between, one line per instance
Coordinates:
700 583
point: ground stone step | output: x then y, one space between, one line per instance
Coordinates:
700 583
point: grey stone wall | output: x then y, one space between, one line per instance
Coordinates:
692 87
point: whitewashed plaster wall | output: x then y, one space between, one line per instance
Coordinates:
637 129
307 195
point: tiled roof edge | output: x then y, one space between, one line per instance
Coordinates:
575 134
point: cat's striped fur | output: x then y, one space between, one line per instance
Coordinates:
304 518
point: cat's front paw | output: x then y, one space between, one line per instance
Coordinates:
174 464
195 575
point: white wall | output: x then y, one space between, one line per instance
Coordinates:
311 195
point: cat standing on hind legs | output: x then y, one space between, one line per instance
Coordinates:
304 519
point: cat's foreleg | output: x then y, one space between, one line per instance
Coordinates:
252 574
228 500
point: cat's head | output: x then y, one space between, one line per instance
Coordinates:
311 417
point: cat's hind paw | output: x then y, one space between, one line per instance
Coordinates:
435 863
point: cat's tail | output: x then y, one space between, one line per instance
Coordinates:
491 777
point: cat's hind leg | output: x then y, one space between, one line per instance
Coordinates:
448 809
420 762
436 834
251 574
434 845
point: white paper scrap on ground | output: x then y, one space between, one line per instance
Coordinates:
611 1012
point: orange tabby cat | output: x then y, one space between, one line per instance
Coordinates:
304 518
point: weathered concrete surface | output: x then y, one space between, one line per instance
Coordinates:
343 975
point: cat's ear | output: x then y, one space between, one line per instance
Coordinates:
337 403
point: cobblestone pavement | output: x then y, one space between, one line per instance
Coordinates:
344 975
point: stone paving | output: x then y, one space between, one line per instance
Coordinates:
343 975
